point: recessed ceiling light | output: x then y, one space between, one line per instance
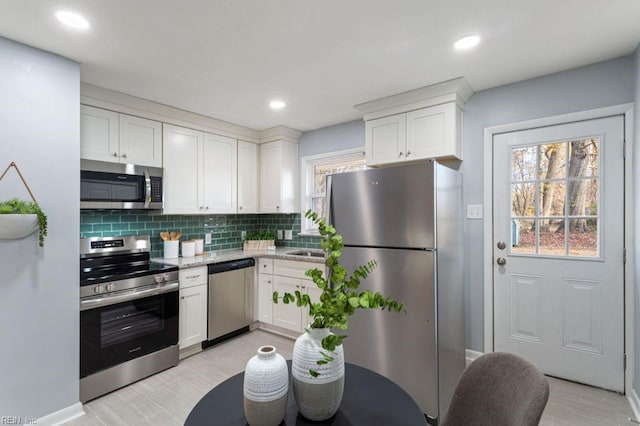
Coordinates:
277 104
467 42
72 19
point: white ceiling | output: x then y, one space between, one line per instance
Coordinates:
228 59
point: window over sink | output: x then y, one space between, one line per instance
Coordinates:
315 169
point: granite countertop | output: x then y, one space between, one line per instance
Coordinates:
226 255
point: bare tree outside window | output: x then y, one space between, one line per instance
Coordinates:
554 198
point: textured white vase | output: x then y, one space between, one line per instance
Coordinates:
318 398
265 389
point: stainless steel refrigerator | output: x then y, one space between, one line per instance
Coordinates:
409 219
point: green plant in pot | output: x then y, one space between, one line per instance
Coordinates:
262 234
16 206
318 357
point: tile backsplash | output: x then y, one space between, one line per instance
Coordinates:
225 229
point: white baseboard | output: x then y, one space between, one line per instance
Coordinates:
472 356
635 403
62 416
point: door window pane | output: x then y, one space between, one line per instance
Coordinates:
584 242
523 236
555 198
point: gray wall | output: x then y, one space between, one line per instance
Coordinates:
602 84
593 86
39 130
333 138
636 195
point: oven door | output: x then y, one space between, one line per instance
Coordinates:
117 329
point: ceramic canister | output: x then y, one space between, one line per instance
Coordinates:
265 389
188 248
199 245
318 398
171 249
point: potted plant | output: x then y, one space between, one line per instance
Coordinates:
318 360
259 240
19 219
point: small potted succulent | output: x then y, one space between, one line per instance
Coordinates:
19 219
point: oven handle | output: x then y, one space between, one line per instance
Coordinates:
119 298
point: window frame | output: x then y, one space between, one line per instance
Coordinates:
307 182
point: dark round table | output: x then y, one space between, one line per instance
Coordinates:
369 399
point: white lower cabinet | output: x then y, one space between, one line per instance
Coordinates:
193 307
265 300
289 277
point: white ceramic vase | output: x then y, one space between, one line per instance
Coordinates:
265 389
318 398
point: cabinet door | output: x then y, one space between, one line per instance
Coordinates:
265 301
98 134
193 316
270 177
140 141
432 133
314 294
287 316
385 140
248 172
183 177
220 174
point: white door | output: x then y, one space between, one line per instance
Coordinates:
193 315
385 139
558 249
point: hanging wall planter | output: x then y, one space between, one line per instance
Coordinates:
18 218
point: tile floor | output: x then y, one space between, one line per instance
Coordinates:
167 397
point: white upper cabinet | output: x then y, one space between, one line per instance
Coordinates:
432 132
248 173
119 138
200 172
183 152
98 134
416 125
278 177
220 162
385 139
140 141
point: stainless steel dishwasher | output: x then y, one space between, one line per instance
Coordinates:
230 309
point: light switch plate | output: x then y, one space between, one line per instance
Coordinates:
207 238
474 211
243 235
288 234
279 234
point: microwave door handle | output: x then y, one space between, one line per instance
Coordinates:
147 189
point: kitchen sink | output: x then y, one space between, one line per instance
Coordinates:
307 253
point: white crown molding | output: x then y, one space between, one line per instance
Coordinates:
121 102
455 90
62 416
280 133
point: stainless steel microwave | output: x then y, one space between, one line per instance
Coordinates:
106 185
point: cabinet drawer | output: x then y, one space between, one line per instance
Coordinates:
265 266
193 276
293 268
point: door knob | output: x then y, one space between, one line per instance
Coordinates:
502 245
501 261
400 154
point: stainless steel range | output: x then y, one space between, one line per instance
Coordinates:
128 314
